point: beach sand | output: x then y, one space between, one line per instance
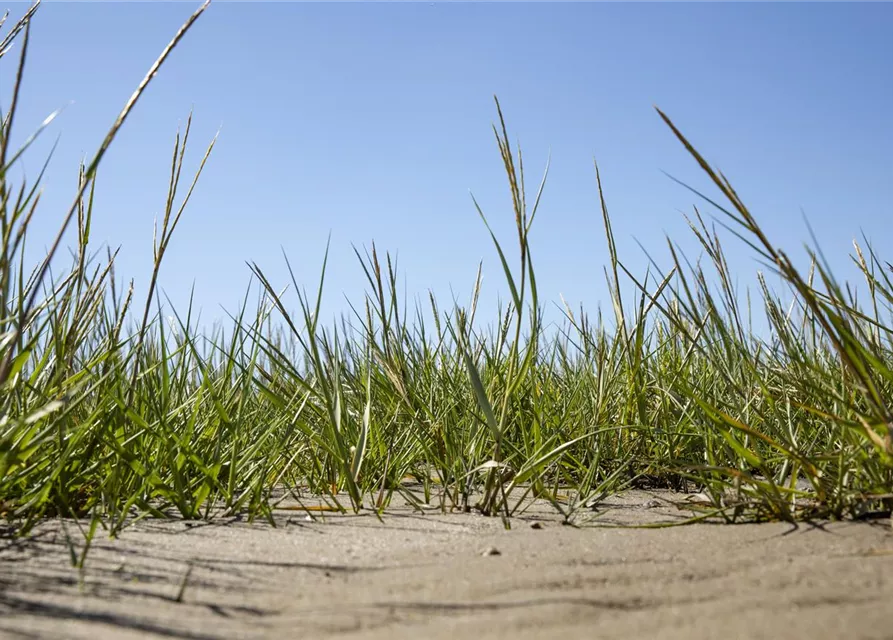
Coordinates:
456 576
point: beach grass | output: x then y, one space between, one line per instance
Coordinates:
109 414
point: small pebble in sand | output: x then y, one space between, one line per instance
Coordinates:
491 551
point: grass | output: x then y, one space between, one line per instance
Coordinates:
107 414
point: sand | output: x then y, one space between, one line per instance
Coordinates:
456 576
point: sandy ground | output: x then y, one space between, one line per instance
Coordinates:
456 576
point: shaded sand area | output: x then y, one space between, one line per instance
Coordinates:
433 575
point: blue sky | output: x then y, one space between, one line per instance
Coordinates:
372 121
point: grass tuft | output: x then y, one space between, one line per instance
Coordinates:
110 419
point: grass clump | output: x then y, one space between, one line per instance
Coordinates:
107 413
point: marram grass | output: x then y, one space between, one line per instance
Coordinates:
109 413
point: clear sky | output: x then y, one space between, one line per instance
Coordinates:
372 121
